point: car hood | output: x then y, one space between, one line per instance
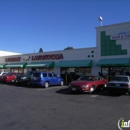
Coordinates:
80 82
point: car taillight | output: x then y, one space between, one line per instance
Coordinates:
128 85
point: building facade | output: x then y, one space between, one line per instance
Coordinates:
110 56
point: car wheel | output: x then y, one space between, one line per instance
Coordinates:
46 85
129 93
61 83
92 89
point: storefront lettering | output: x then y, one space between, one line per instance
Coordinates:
14 59
47 57
121 35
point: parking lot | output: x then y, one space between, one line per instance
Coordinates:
55 108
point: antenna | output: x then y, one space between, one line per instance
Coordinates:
100 19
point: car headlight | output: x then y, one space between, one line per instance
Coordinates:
85 86
105 85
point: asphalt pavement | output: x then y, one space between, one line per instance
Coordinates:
55 108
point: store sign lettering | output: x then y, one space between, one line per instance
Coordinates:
121 35
47 57
14 59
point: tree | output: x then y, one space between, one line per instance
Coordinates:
69 48
40 50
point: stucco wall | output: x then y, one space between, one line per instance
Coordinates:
86 53
111 30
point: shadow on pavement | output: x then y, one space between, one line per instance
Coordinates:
66 91
107 93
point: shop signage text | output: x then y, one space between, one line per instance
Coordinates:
47 57
120 35
14 59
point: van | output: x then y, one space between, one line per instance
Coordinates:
46 79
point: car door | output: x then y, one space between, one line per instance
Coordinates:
51 79
56 79
98 81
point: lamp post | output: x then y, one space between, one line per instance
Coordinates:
100 19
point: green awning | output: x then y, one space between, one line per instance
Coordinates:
74 63
16 65
2 65
41 64
114 62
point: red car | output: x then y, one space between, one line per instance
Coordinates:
9 77
87 84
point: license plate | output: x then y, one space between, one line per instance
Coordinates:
73 89
117 85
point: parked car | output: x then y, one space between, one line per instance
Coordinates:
46 79
119 83
9 77
17 78
2 73
24 79
1 77
87 83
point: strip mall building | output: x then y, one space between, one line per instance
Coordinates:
111 54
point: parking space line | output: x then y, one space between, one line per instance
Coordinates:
6 85
93 96
42 89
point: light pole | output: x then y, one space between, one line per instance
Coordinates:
100 19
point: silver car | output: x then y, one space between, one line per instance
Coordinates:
119 83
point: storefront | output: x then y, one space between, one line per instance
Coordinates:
41 66
116 66
2 67
16 67
73 69
110 56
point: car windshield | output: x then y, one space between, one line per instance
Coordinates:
25 75
4 73
36 74
8 74
125 79
87 78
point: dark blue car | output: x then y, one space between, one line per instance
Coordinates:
46 79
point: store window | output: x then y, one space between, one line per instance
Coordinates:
43 69
17 70
112 71
70 74
119 70
3 70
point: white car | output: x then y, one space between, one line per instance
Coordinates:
119 83
2 73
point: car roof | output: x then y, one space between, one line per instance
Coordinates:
121 76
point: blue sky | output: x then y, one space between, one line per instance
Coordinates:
27 25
